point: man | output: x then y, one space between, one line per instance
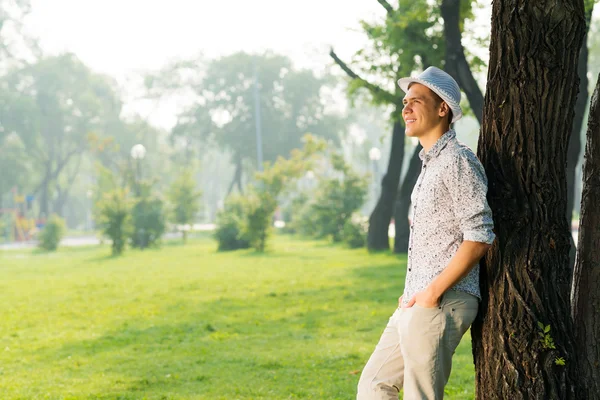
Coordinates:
451 229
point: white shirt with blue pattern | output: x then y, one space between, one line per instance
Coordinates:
449 206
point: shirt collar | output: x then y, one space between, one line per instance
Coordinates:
434 151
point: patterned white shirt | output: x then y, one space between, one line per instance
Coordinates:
449 206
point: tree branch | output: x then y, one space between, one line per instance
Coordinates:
388 7
374 89
456 63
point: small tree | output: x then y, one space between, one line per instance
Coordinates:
335 201
114 218
52 233
185 200
148 221
230 232
259 205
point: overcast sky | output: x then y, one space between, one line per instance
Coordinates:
124 38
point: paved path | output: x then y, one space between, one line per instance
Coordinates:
92 239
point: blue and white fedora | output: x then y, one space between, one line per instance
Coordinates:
442 84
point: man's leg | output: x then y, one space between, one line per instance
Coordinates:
382 377
429 338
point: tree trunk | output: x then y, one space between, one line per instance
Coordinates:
575 141
586 277
237 177
403 201
527 120
456 63
379 221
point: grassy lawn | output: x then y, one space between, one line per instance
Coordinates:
186 322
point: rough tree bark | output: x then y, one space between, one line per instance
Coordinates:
586 277
527 120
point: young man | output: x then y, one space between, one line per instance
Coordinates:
451 230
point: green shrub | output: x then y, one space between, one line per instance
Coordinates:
355 231
185 200
230 232
148 222
114 218
333 204
52 234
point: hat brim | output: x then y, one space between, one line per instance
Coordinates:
404 83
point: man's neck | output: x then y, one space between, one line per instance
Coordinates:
430 138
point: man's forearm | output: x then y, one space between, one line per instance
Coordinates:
466 257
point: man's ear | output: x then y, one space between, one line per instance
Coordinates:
444 109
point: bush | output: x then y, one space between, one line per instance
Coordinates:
230 232
148 222
114 219
355 231
334 203
52 234
185 200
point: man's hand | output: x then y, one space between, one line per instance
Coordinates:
425 299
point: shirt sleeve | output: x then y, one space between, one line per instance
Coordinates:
467 184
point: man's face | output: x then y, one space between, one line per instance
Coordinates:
422 111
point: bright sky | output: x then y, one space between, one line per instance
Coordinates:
120 37
124 38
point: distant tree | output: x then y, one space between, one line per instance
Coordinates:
230 91
56 107
185 200
113 217
14 41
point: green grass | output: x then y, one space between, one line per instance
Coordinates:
186 322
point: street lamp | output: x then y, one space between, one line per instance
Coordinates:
138 152
375 156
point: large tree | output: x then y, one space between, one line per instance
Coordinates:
239 90
523 341
56 107
586 276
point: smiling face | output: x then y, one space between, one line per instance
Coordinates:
424 112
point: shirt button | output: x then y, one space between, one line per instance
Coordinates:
410 269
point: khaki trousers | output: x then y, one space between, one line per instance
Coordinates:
416 348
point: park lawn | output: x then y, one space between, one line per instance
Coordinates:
187 322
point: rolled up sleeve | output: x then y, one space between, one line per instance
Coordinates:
468 189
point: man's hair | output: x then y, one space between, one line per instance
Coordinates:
439 100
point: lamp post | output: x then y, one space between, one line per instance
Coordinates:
138 152
375 156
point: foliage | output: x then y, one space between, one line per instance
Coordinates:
57 107
355 231
52 234
230 232
185 200
255 211
114 218
148 220
290 100
335 201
